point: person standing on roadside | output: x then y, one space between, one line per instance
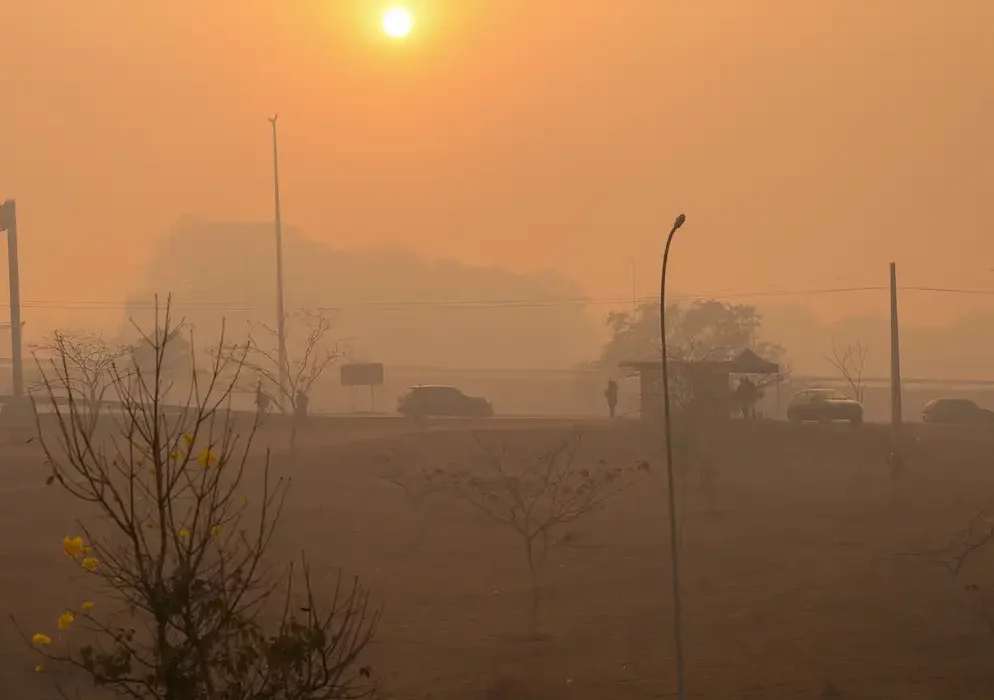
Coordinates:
300 408
261 400
611 394
748 395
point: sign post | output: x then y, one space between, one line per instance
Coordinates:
363 374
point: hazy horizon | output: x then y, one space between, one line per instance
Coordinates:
368 292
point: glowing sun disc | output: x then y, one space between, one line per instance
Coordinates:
397 22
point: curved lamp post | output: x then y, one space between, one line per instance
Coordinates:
674 539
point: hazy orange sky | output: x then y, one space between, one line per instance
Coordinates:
809 143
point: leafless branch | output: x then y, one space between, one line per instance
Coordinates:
306 361
84 364
540 496
178 546
850 362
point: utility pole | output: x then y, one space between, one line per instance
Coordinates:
280 311
895 458
635 290
895 355
8 223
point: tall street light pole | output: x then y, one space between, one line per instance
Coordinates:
280 311
667 425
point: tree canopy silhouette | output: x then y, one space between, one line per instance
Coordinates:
702 330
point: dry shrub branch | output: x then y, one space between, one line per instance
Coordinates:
179 550
538 498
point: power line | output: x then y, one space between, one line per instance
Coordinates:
949 290
435 303
398 304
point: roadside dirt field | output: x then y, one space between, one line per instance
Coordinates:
801 578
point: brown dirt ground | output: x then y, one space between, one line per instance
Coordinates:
795 581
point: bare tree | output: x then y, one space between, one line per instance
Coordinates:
177 546
956 556
84 365
306 360
539 499
850 362
417 485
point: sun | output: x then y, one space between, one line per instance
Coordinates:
397 22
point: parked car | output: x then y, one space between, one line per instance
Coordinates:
824 406
440 400
958 411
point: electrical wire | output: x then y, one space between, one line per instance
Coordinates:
398 304
433 303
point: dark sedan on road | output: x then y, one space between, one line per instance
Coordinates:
443 401
823 406
956 411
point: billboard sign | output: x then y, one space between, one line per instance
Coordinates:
365 374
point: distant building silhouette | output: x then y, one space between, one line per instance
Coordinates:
390 306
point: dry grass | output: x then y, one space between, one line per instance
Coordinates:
795 587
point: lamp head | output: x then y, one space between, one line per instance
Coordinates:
679 221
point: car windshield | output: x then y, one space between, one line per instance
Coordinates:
437 391
826 395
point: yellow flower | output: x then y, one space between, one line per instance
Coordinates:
38 668
86 550
184 533
87 606
150 525
176 455
216 530
90 563
207 458
118 580
153 470
140 462
41 639
188 439
66 619
72 546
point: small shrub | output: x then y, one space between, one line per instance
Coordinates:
204 618
540 498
